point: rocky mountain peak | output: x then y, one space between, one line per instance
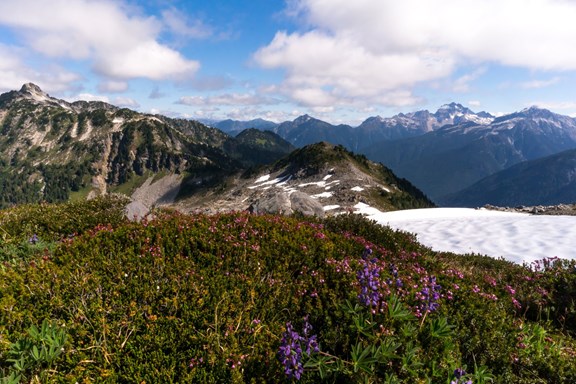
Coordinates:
537 112
302 119
34 92
31 88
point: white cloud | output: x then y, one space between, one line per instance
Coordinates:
474 103
462 84
226 99
113 86
322 69
125 102
14 72
367 48
91 97
537 84
554 105
178 24
146 59
122 46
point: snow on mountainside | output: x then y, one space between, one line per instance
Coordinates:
319 178
306 130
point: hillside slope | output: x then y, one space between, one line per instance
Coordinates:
546 181
333 177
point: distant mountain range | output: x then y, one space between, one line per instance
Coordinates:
306 130
449 150
233 127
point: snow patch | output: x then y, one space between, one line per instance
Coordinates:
331 207
517 237
357 189
262 179
323 194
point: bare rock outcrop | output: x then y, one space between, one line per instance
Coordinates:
287 203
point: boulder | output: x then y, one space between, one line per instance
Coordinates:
281 202
306 205
136 210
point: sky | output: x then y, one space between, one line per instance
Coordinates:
339 61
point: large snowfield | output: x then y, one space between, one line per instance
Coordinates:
516 237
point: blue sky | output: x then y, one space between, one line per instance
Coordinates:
338 60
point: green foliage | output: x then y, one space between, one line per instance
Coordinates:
98 117
34 355
206 299
52 222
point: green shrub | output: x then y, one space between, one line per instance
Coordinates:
206 299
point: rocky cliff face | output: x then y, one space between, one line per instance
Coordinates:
51 149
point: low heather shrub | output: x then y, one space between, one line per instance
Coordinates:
236 297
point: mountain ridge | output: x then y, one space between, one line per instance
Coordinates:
545 181
52 150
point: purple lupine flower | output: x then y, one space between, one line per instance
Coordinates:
367 252
290 353
429 295
34 239
310 341
291 349
458 374
368 279
394 271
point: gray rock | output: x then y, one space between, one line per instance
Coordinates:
136 210
280 202
273 203
303 203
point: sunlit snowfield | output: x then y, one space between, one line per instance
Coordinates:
516 237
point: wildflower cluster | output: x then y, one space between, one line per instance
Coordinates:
33 239
294 347
429 296
368 277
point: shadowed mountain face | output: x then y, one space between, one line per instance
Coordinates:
545 181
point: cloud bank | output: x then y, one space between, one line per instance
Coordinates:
119 42
369 49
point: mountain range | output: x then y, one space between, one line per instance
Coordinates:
53 150
449 150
